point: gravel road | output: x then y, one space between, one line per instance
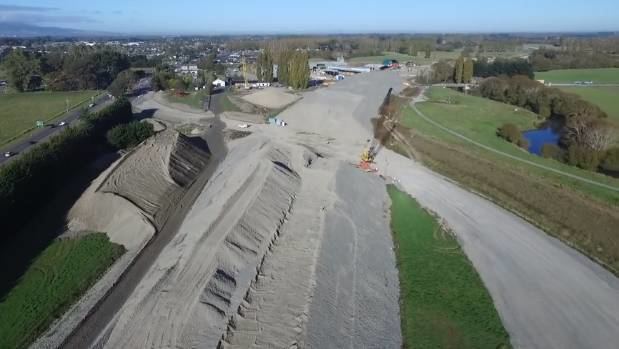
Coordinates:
547 294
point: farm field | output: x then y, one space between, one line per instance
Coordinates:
478 118
598 76
54 281
20 111
444 303
606 98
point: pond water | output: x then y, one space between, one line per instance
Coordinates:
537 138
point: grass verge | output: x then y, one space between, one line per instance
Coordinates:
444 303
52 283
20 111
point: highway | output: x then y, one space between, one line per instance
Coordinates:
41 135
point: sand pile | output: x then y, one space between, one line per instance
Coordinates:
200 278
272 98
154 175
134 196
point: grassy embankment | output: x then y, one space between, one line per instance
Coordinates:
20 111
568 76
52 283
581 214
444 303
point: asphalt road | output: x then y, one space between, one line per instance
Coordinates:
43 134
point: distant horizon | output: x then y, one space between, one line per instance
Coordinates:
96 33
279 17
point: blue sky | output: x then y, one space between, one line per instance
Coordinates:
316 16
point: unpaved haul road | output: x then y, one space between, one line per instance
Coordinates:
547 294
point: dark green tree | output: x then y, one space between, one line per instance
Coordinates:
467 72
458 70
22 69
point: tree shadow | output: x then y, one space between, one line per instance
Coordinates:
144 114
18 252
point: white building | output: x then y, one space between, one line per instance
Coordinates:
219 83
188 70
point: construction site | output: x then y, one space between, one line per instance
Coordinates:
280 237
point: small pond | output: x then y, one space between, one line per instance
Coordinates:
537 138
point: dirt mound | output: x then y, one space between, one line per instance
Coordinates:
153 176
209 266
272 98
134 196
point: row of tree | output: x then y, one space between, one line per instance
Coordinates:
585 131
549 59
461 72
79 69
293 69
508 67
29 182
264 66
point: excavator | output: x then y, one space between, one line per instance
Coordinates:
367 157
366 162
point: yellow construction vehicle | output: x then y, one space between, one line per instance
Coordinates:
367 157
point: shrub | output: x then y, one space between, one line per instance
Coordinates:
129 135
583 157
611 160
551 151
523 143
510 132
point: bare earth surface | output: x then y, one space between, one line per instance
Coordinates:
271 97
289 246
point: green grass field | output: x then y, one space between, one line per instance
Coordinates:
193 99
20 111
444 303
403 58
598 76
606 98
478 118
54 281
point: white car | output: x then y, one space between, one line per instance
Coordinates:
91 105
8 154
62 123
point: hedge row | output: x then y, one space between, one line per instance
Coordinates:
29 182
